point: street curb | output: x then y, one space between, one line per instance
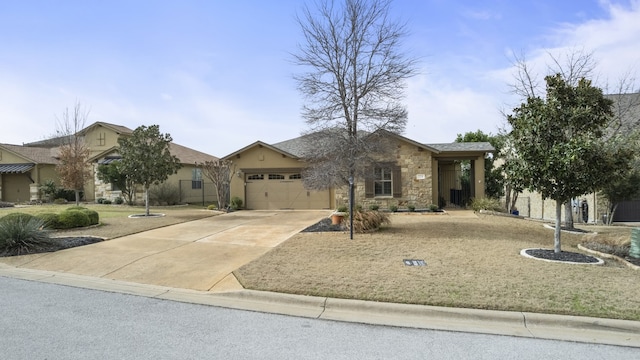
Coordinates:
508 323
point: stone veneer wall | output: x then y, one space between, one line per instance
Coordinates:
413 161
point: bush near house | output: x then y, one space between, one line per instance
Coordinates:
491 204
364 221
164 194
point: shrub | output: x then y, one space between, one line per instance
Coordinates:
119 200
235 203
94 217
411 208
374 207
24 217
212 207
49 220
478 204
49 189
164 194
358 207
364 221
60 201
73 218
342 208
393 208
6 204
68 195
107 202
23 235
100 200
433 207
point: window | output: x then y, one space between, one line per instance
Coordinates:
102 139
385 181
295 176
382 183
276 177
256 177
196 178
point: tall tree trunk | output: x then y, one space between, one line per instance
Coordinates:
556 235
568 215
77 197
146 201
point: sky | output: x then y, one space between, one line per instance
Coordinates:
217 75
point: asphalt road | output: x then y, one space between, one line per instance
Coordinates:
46 321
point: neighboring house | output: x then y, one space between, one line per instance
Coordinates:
269 176
626 110
24 168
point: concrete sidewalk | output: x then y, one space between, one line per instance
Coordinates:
192 262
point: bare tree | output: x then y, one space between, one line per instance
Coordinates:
353 83
73 153
220 173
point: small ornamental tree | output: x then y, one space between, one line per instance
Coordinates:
146 158
73 154
559 142
220 173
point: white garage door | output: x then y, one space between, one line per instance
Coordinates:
274 191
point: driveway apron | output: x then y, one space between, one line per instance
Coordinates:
199 255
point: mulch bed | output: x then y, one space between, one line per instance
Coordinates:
562 256
325 225
58 243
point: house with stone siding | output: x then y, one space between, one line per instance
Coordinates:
270 176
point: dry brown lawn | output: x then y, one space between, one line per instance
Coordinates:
472 262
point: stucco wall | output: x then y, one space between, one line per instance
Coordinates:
257 157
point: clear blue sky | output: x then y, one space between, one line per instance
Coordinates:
217 74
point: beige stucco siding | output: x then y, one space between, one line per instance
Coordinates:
268 193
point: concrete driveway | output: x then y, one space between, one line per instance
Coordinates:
198 255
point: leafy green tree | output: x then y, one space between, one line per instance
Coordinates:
112 173
146 158
493 179
559 141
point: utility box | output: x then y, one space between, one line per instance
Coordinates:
634 251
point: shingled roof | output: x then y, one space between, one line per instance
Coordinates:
38 155
463 146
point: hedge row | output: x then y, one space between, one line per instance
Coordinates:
73 217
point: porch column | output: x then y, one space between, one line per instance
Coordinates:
478 175
435 179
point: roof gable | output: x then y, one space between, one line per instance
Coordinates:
263 144
38 155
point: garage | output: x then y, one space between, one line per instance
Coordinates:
282 190
628 211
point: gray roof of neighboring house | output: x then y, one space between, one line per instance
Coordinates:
463 146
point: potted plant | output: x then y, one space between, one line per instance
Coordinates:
338 215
